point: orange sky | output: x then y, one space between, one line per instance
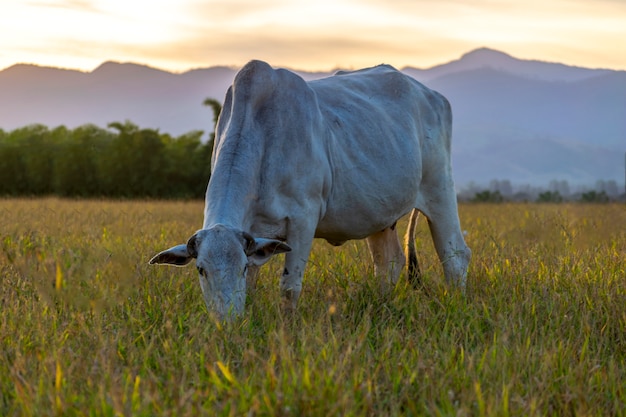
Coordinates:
302 34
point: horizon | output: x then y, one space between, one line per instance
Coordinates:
302 70
186 35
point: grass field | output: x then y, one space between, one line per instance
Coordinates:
89 328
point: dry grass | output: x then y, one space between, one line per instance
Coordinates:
88 328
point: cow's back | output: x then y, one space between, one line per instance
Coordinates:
383 130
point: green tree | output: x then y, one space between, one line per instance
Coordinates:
595 197
76 171
216 107
13 179
187 165
488 197
35 153
550 197
124 161
134 161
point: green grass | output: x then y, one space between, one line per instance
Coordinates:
88 328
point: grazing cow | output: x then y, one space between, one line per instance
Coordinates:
339 158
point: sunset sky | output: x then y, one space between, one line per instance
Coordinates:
178 35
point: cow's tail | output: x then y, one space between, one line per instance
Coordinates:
414 273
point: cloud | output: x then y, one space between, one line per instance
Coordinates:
230 12
315 35
318 35
328 34
80 5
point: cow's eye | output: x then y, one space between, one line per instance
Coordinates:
200 270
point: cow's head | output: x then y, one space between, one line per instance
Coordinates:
222 255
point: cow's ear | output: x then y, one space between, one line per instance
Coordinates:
259 250
177 255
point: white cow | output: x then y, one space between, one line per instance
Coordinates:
339 158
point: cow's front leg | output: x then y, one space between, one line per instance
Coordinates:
291 280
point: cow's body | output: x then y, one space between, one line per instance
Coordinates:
340 158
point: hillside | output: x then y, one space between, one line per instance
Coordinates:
526 121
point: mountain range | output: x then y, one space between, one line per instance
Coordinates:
526 121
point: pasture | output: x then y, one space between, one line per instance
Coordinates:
88 328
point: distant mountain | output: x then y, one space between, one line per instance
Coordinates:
485 58
112 92
533 131
522 120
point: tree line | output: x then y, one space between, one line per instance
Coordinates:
125 161
122 161
558 191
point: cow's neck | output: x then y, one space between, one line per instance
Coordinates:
232 190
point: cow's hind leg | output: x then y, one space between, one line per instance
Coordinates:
445 228
387 255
